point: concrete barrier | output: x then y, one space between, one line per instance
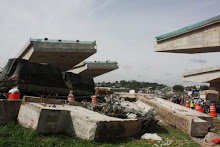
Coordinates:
75 120
189 121
9 110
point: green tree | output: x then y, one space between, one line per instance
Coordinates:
178 88
204 87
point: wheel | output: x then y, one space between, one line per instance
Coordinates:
207 109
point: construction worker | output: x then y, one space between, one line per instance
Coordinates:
192 104
198 100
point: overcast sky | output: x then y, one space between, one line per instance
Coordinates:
125 32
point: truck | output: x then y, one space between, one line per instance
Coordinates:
209 95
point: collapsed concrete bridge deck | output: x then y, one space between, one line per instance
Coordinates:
67 55
94 68
62 53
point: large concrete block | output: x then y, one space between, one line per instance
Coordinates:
75 120
92 125
9 110
199 127
44 121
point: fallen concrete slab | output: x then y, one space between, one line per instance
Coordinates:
75 120
9 110
189 121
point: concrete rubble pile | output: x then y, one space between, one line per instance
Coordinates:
118 107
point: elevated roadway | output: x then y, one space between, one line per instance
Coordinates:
202 37
207 75
94 68
62 53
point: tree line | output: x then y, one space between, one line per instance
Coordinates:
133 84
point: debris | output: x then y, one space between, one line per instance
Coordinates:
132 116
151 136
210 136
120 108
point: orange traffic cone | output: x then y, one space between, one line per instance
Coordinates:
197 106
200 108
70 97
212 110
94 101
187 104
14 93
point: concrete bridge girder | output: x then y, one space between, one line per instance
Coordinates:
199 40
207 75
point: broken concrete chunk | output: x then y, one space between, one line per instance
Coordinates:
151 136
132 116
210 136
